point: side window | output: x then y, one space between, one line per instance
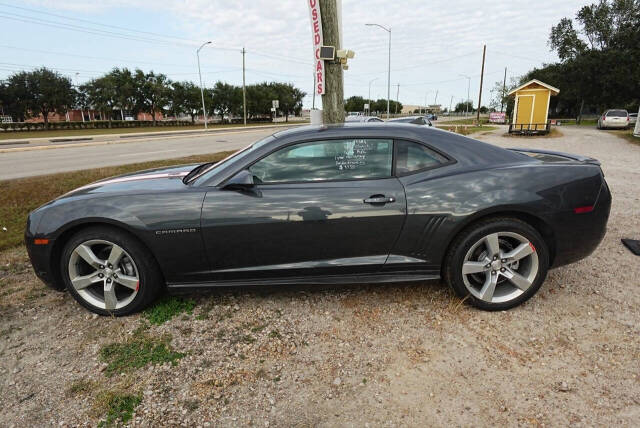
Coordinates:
411 157
345 159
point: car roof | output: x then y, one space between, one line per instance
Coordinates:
466 150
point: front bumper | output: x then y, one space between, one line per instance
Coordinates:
41 257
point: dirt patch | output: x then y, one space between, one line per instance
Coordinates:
406 354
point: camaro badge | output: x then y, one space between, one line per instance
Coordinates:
174 231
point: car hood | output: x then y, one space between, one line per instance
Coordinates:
167 178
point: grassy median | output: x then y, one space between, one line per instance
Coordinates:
59 133
20 196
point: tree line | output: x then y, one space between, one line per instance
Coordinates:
29 94
599 65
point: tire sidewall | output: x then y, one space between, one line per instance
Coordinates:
148 281
472 235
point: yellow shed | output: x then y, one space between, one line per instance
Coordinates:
531 109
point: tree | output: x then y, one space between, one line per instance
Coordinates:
226 99
185 99
464 107
499 94
290 99
41 91
125 86
152 91
15 97
102 95
354 103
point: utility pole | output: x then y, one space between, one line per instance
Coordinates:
435 100
333 98
244 90
397 98
450 103
504 90
484 52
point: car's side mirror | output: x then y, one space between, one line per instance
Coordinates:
241 181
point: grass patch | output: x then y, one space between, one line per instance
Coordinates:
466 130
20 196
467 121
118 407
80 387
627 134
167 308
10 135
137 352
583 122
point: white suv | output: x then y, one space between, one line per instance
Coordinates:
614 119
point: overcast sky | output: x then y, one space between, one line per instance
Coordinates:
433 42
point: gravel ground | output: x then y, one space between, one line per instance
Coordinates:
407 354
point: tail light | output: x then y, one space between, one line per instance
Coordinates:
603 117
582 210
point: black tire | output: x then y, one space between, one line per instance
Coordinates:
452 269
151 283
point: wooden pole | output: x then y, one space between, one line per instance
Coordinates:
333 98
484 51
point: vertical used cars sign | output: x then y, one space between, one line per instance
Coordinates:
316 32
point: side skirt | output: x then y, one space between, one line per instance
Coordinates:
314 280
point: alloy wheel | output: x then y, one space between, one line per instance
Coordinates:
103 274
500 267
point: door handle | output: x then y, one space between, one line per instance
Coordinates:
379 199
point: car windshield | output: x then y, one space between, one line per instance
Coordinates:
230 160
617 113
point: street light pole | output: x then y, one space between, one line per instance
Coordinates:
388 30
204 110
468 87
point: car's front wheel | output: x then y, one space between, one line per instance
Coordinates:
109 272
497 264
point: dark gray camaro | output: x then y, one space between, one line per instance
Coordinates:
340 204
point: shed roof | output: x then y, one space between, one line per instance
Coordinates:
554 90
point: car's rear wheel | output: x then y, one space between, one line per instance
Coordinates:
109 272
497 264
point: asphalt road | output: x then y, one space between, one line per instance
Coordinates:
49 160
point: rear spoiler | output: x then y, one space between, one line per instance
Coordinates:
579 158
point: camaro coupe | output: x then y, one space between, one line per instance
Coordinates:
360 203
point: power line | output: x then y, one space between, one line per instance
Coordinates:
95 23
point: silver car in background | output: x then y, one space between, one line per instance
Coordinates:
361 118
633 118
614 119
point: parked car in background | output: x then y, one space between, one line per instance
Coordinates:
416 120
633 118
352 119
354 203
617 118
431 116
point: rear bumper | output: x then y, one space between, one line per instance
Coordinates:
578 235
615 125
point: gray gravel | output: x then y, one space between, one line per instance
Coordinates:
356 355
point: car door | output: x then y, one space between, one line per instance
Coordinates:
328 207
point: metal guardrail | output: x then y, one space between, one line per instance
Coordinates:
529 128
